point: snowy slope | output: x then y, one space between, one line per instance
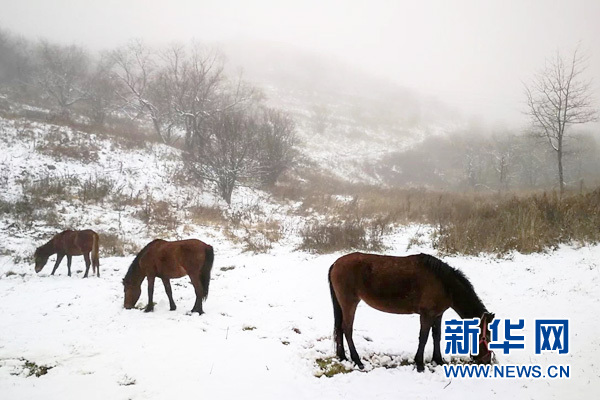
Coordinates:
147 172
267 320
268 317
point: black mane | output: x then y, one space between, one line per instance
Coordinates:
466 303
135 264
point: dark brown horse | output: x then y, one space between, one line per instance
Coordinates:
169 260
417 284
70 243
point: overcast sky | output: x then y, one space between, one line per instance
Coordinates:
472 54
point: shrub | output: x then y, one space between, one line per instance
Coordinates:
112 244
527 224
205 215
95 189
353 234
49 187
59 145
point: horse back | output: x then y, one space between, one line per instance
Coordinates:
400 285
74 243
174 259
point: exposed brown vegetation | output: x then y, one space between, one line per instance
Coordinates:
351 234
463 223
526 224
112 244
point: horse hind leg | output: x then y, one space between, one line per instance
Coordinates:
93 266
347 326
86 257
426 323
338 335
167 284
199 294
69 259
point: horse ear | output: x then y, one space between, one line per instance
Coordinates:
492 316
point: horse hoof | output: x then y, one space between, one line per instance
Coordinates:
420 368
148 309
173 308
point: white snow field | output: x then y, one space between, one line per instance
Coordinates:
266 322
268 317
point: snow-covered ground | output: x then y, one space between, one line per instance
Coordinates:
267 320
268 317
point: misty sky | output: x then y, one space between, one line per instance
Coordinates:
470 54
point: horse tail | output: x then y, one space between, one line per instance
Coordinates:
337 310
95 256
209 257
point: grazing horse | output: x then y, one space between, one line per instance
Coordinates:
70 243
417 284
169 260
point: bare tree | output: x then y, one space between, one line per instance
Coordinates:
190 81
558 97
136 68
62 74
224 157
16 62
102 89
277 137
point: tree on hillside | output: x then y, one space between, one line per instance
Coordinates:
190 81
16 66
136 68
102 89
61 73
277 137
237 140
558 97
223 154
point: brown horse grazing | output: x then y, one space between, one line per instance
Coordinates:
169 260
70 243
417 284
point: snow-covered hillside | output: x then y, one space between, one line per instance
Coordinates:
131 190
268 319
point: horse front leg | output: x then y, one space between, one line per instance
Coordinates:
167 284
436 333
150 305
59 258
426 323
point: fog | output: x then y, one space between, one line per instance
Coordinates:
472 55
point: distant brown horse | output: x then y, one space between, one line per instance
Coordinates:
417 284
169 260
70 243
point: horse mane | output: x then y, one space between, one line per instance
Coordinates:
465 301
135 264
45 250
